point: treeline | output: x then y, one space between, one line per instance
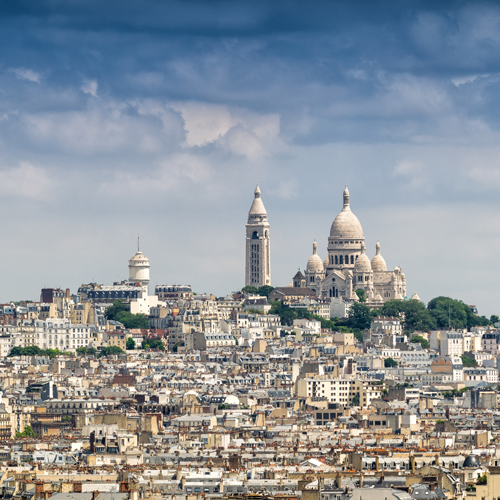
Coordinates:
263 290
34 350
105 351
414 315
287 315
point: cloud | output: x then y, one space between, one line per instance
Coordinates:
239 131
104 127
26 74
89 87
25 181
181 171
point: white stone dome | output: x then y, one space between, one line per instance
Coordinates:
314 264
378 262
363 264
346 224
325 262
139 257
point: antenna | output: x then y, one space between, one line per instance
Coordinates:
449 316
138 243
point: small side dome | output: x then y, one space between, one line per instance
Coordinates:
378 262
471 461
363 264
315 264
325 262
415 297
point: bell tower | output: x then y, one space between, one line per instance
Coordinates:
258 250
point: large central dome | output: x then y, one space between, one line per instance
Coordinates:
346 224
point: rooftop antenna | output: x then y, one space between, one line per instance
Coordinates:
138 243
449 317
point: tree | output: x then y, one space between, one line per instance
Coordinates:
120 311
130 320
394 308
153 344
482 480
251 290
130 344
468 362
447 311
355 400
390 363
417 317
31 350
115 309
359 316
494 318
111 350
418 339
265 290
361 294
27 432
34 350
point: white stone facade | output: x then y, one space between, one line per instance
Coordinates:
258 245
347 267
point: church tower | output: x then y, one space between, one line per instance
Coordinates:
258 251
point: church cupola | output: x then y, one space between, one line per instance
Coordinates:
378 262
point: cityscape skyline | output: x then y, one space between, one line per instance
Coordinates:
160 120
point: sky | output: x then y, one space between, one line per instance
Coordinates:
158 118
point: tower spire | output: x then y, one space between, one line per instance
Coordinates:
258 254
346 196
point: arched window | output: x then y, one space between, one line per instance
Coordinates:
347 259
352 259
336 260
341 259
255 235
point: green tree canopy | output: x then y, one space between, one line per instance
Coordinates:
265 290
120 311
112 311
360 316
390 363
86 350
34 350
27 432
494 318
153 344
111 350
361 295
130 344
447 311
250 290
418 339
468 362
